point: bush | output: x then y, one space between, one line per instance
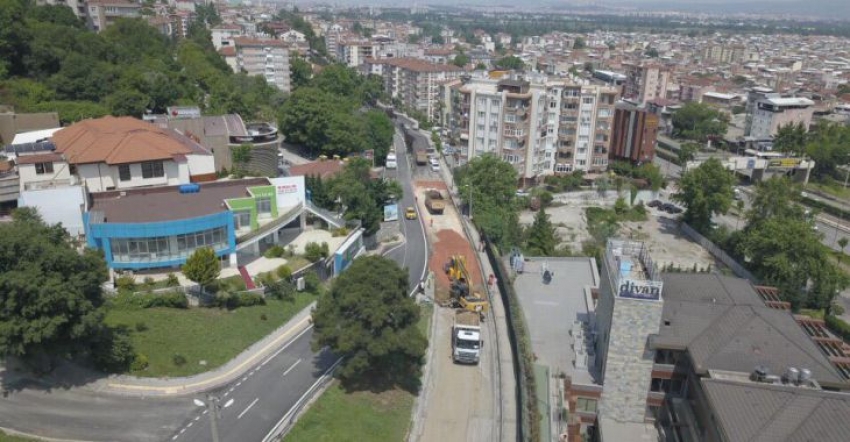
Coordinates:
283 290
141 326
178 359
620 207
312 282
113 351
838 326
170 300
172 280
284 272
275 251
263 317
125 283
149 283
342 231
315 252
140 362
233 301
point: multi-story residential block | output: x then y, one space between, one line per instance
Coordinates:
102 13
540 126
769 114
223 35
416 83
264 57
634 134
354 52
723 53
645 82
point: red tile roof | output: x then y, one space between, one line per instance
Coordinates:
324 169
119 140
39 158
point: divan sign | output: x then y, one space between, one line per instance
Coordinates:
290 191
649 290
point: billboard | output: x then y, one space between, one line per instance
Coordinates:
391 212
640 289
348 251
290 191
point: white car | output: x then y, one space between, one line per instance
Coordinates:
435 166
391 162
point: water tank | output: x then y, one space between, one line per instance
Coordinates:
189 188
805 375
792 375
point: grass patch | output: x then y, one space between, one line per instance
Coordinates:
361 415
830 187
816 314
9 438
297 262
210 334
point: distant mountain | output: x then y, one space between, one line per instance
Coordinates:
826 9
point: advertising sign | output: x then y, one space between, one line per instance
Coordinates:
645 290
391 212
290 191
348 251
785 162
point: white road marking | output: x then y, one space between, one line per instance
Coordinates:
274 355
205 412
290 368
182 430
175 437
190 425
197 417
246 409
239 383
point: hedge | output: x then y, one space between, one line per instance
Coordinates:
838 326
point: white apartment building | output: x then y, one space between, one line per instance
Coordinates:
541 126
223 35
645 82
102 13
267 58
769 114
416 83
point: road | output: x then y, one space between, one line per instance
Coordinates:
261 399
414 253
670 170
262 396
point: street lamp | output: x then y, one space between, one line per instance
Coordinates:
214 406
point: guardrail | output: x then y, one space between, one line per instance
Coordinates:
268 227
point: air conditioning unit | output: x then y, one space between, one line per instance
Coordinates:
300 285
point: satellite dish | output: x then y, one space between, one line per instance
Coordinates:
199 403
228 403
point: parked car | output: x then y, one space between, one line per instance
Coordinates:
670 208
654 203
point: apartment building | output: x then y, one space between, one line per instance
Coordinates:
769 114
540 126
724 53
77 6
416 83
634 134
224 34
354 52
645 82
267 58
102 13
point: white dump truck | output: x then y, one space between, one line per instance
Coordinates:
466 337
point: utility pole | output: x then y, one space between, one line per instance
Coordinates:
214 407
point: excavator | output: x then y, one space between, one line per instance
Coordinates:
461 294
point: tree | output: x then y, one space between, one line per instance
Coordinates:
362 197
579 43
460 60
542 239
488 185
241 156
202 267
842 242
50 295
790 139
687 152
777 197
480 66
510 62
301 71
369 319
697 121
705 190
829 146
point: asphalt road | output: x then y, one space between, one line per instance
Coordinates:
265 395
669 169
414 253
262 397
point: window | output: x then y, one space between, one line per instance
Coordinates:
587 100
43 168
152 169
510 118
585 405
166 248
242 219
264 205
124 172
560 168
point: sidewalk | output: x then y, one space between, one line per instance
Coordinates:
262 350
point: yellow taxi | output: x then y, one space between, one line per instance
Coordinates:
410 213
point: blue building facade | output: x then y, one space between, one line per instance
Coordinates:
136 246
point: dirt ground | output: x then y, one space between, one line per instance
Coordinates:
460 405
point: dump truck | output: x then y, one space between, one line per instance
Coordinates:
421 157
434 202
461 294
466 338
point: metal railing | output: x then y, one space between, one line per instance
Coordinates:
266 228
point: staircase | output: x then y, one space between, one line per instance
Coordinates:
249 283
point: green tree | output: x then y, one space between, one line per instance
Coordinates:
460 60
202 267
488 185
777 197
579 43
829 146
50 295
510 62
687 152
790 139
362 197
705 191
541 237
241 156
300 72
480 66
842 242
369 319
128 102
697 121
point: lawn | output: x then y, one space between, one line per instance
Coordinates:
199 334
8 438
830 187
361 415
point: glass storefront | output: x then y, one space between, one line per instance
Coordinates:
166 248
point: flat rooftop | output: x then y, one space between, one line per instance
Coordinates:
167 203
551 309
